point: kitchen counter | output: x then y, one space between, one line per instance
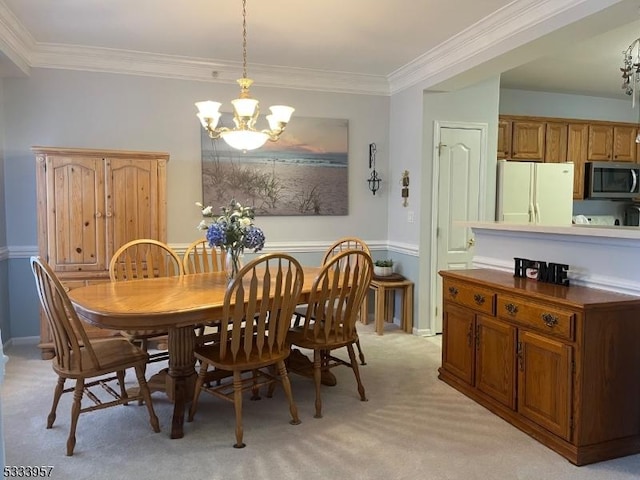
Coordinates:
598 257
582 230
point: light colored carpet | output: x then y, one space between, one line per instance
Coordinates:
413 427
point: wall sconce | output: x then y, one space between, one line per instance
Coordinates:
374 179
405 188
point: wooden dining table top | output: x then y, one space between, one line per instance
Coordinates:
159 302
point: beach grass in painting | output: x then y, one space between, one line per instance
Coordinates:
304 173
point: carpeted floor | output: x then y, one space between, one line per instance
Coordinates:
413 427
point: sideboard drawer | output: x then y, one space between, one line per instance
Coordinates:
550 320
478 298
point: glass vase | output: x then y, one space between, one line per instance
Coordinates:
232 263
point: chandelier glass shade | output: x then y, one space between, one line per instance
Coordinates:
244 136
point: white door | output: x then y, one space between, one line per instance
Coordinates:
459 198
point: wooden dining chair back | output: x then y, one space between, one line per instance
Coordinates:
340 245
332 312
257 311
76 357
144 258
199 257
345 243
137 260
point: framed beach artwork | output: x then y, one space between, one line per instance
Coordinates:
304 173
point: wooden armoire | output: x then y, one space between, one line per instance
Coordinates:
89 203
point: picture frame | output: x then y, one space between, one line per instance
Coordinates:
305 172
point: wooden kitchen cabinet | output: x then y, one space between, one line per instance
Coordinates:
624 143
612 143
89 203
555 147
577 150
559 362
504 139
600 143
528 140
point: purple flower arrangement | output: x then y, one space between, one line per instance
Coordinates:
233 229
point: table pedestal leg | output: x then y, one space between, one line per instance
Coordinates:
181 375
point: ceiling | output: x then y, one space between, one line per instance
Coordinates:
343 37
590 67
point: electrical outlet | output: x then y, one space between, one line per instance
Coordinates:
410 216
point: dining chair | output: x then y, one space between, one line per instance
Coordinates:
340 245
139 259
265 292
91 363
332 313
199 257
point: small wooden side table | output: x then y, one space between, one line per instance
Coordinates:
384 289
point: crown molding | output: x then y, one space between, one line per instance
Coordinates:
511 26
105 60
16 42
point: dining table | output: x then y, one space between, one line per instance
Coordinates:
176 304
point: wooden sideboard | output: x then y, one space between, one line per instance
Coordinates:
561 363
89 203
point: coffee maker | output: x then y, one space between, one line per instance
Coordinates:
632 215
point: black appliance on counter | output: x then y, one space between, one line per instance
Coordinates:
632 215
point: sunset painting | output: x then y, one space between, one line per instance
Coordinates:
304 173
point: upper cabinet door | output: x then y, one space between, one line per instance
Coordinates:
75 205
577 147
527 141
555 150
504 139
600 143
624 143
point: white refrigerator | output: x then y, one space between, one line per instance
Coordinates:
539 193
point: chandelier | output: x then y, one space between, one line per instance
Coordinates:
244 136
631 70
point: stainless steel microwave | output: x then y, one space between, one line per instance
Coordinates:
612 180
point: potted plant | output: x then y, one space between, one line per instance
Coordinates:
383 268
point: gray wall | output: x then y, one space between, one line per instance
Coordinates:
5 328
83 109
545 104
413 112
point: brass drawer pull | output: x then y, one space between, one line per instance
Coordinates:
549 320
511 308
453 291
479 299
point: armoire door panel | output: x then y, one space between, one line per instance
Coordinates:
75 203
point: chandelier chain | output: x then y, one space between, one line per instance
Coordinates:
244 38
